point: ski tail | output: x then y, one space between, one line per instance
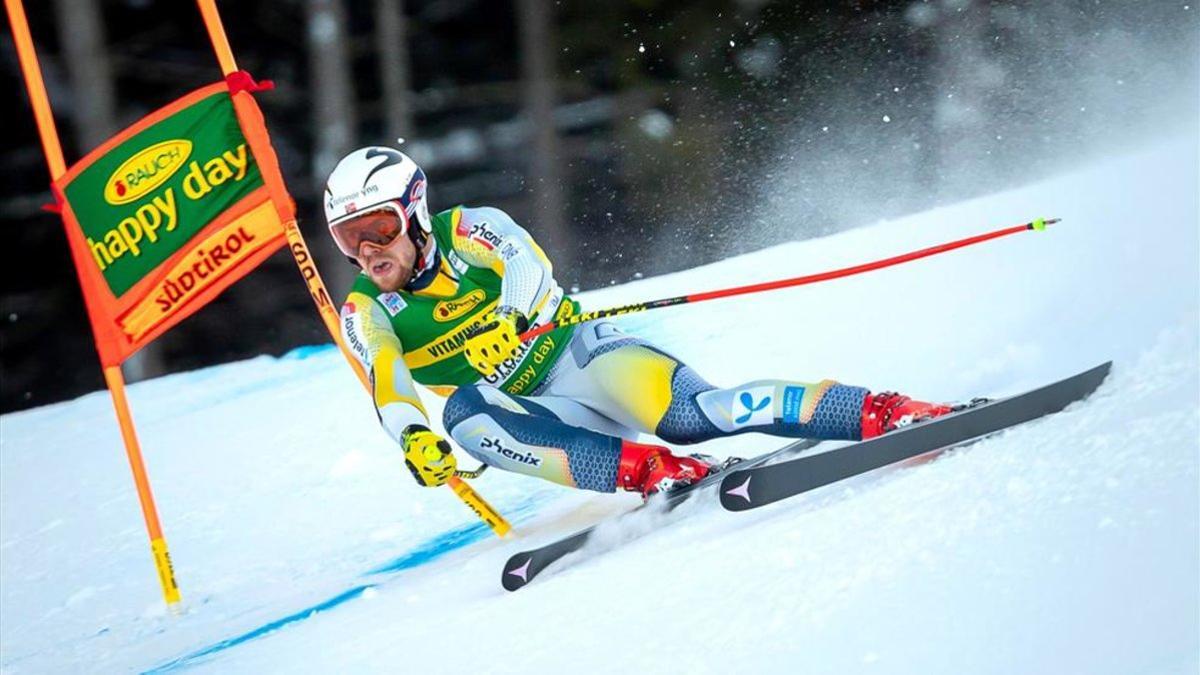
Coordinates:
522 567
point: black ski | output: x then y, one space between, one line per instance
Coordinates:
749 487
522 567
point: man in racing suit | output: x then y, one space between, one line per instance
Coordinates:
441 301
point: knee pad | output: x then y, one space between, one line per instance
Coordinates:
684 422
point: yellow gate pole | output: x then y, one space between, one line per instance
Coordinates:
52 149
308 267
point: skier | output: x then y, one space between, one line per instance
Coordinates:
442 299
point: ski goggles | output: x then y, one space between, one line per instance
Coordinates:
380 226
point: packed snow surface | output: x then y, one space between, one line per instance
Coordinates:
301 543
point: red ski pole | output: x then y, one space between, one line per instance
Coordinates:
1039 224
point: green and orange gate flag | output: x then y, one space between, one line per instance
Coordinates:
167 214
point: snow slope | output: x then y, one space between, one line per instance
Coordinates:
302 545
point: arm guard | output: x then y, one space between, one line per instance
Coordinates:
368 333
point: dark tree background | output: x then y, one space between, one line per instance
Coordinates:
633 138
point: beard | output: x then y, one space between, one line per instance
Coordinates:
391 268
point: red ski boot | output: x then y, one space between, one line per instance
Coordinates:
885 411
652 468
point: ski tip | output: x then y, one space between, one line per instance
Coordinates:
1100 373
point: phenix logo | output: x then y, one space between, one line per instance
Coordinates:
496 446
483 235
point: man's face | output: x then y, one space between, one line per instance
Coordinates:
389 266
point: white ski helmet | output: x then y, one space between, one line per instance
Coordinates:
373 179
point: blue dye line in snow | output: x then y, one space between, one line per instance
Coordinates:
435 548
189 659
427 552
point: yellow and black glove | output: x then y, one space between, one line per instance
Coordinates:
428 456
495 339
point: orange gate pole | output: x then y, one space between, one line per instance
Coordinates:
52 149
308 268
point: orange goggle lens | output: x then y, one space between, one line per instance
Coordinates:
379 227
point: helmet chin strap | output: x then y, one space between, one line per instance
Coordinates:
416 234
426 261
